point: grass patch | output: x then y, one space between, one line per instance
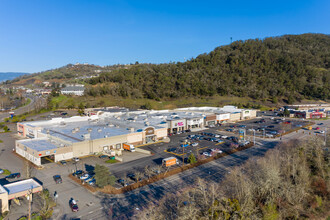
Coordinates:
111 161
1 141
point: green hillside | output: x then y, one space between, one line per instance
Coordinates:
290 67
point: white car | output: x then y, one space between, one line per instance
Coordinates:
194 144
216 135
218 151
322 132
224 137
85 176
1 171
207 154
75 159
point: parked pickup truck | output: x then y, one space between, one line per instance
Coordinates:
129 147
170 161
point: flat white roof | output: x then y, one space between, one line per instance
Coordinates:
21 186
2 190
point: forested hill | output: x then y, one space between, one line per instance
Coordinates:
290 67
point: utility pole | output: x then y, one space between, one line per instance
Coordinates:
29 197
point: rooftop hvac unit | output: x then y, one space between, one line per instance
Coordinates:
117 126
110 125
89 129
77 129
61 145
146 123
62 123
47 131
105 136
86 136
135 117
99 130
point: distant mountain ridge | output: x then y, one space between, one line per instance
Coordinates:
4 76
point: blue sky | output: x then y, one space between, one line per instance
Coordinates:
37 35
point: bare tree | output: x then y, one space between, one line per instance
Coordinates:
148 172
138 175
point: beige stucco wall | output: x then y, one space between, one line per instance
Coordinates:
95 146
135 138
160 133
235 116
4 202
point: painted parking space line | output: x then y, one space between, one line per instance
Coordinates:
158 142
220 143
202 148
173 153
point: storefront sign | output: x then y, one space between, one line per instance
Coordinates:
150 131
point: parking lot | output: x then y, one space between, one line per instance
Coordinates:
265 126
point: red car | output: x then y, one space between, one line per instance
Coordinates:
73 205
317 128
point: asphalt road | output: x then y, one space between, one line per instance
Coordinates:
20 110
125 206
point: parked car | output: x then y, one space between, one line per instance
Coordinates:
92 182
1 171
122 182
78 173
194 144
73 205
216 150
13 176
57 179
216 135
273 132
103 156
131 176
322 132
89 178
320 124
207 154
63 162
85 176
75 159
317 128
224 136
230 130
171 149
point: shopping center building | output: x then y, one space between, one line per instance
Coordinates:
105 132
